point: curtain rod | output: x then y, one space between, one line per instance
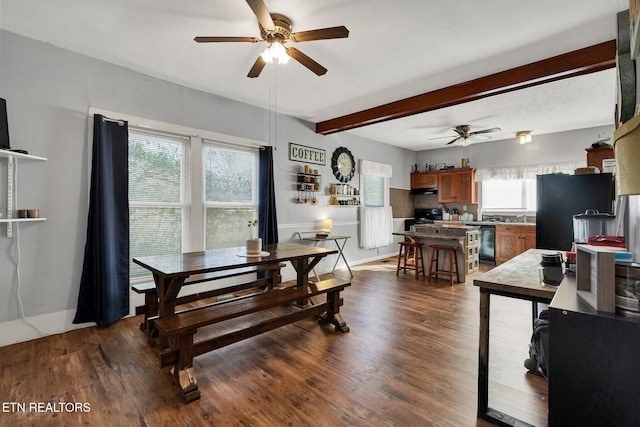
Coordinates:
120 122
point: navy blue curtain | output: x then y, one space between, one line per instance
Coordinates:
104 286
267 218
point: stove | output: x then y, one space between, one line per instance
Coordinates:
423 216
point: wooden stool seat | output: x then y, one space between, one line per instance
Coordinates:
410 258
453 262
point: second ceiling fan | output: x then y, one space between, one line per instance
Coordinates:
464 134
276 30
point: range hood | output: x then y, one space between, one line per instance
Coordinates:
428 190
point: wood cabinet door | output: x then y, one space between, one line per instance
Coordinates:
513 240
445 187
424 180
457 186
506 243
529 239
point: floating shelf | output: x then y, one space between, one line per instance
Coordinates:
7 153
5 220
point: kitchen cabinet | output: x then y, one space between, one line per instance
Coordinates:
512 240
457 186
424 180
595 156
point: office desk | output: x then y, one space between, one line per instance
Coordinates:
516 278
341 242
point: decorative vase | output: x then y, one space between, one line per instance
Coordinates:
254 246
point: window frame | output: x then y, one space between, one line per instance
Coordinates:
195 215
524 196
254 183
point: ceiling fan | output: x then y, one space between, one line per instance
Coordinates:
464 134
275 29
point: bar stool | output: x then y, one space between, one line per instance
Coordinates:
410 256
453 262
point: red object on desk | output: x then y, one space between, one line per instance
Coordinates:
615 241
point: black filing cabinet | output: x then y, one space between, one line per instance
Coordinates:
594 364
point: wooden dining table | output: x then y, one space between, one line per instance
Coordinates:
177 329
170 271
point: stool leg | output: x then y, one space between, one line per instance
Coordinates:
431 258
455 258
452 255
399 258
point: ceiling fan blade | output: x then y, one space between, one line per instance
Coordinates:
476 137
321 34
440 137
207 39
306 61
262 13
452 141
485 131
257 67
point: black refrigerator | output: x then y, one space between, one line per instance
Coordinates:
560 196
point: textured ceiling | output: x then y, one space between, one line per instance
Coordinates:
394 50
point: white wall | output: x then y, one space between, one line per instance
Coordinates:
548 148
49 91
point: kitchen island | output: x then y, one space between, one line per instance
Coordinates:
463 237
517 278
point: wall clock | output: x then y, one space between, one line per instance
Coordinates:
343 164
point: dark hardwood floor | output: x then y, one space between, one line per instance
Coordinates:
410 359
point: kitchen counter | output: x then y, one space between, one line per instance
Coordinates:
447 235
479 223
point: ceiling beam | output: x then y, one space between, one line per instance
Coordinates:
583 61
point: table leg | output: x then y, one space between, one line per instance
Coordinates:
341 254
483 356
183 371
315 244
168 289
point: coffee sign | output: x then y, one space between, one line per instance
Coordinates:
302 153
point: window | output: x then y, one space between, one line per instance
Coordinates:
373 190
230 194
158 195
509 195
187 194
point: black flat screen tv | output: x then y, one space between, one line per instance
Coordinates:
4 126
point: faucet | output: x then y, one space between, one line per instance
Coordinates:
523 218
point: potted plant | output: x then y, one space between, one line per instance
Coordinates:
254 244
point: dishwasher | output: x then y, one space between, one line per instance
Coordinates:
487 252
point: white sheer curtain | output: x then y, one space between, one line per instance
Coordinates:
528 171
376 223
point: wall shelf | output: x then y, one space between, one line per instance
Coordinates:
6 220
12 158
7 153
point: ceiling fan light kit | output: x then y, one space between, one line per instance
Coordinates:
523 137
276 29
275 51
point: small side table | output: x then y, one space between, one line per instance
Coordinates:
341 242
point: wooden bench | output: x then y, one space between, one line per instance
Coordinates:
181 327
150 306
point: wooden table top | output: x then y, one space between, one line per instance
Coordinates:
435 236
518 276
190 263
329 237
